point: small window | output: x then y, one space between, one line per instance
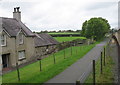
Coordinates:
3 40
21 55
20 38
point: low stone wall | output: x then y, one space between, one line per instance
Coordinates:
45 50
76 42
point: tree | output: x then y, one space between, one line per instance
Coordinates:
95 28
84 27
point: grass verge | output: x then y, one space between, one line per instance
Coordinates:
107 76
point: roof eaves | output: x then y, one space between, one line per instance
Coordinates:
6 32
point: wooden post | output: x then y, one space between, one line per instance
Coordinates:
64 51
107 50
71 50
64 54
101 63
104 55
77 82
54 58
18 72
93 72
76 50
80 48
40 63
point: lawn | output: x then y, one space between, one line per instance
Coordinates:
107 76
31 73
61 39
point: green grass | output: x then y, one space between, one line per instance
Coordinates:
59 33
31 73
107 76
61 39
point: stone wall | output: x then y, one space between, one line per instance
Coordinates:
44 50
64 45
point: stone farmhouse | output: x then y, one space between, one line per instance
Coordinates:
18 44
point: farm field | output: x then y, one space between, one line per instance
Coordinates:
61 39
59 33
31 73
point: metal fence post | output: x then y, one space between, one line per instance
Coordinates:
101 63
94 72
18 72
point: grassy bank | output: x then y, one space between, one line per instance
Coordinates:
32 74
61 39
107 76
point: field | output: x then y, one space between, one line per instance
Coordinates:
107 76
61 39
32 74
59 33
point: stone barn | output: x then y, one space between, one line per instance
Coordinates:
44 44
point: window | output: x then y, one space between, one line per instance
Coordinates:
20 38
21 55
3 40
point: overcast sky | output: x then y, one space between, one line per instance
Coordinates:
60 14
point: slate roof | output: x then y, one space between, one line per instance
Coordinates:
12 27
44 40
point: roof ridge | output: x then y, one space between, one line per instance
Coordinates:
7 18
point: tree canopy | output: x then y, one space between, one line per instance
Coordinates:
95 28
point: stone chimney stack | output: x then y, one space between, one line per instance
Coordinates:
17 13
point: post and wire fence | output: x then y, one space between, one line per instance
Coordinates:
92 68
70 51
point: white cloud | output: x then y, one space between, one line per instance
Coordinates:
60 14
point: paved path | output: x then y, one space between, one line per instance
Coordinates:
77 70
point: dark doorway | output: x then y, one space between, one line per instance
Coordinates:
5 60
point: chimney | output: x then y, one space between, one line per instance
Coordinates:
17 13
